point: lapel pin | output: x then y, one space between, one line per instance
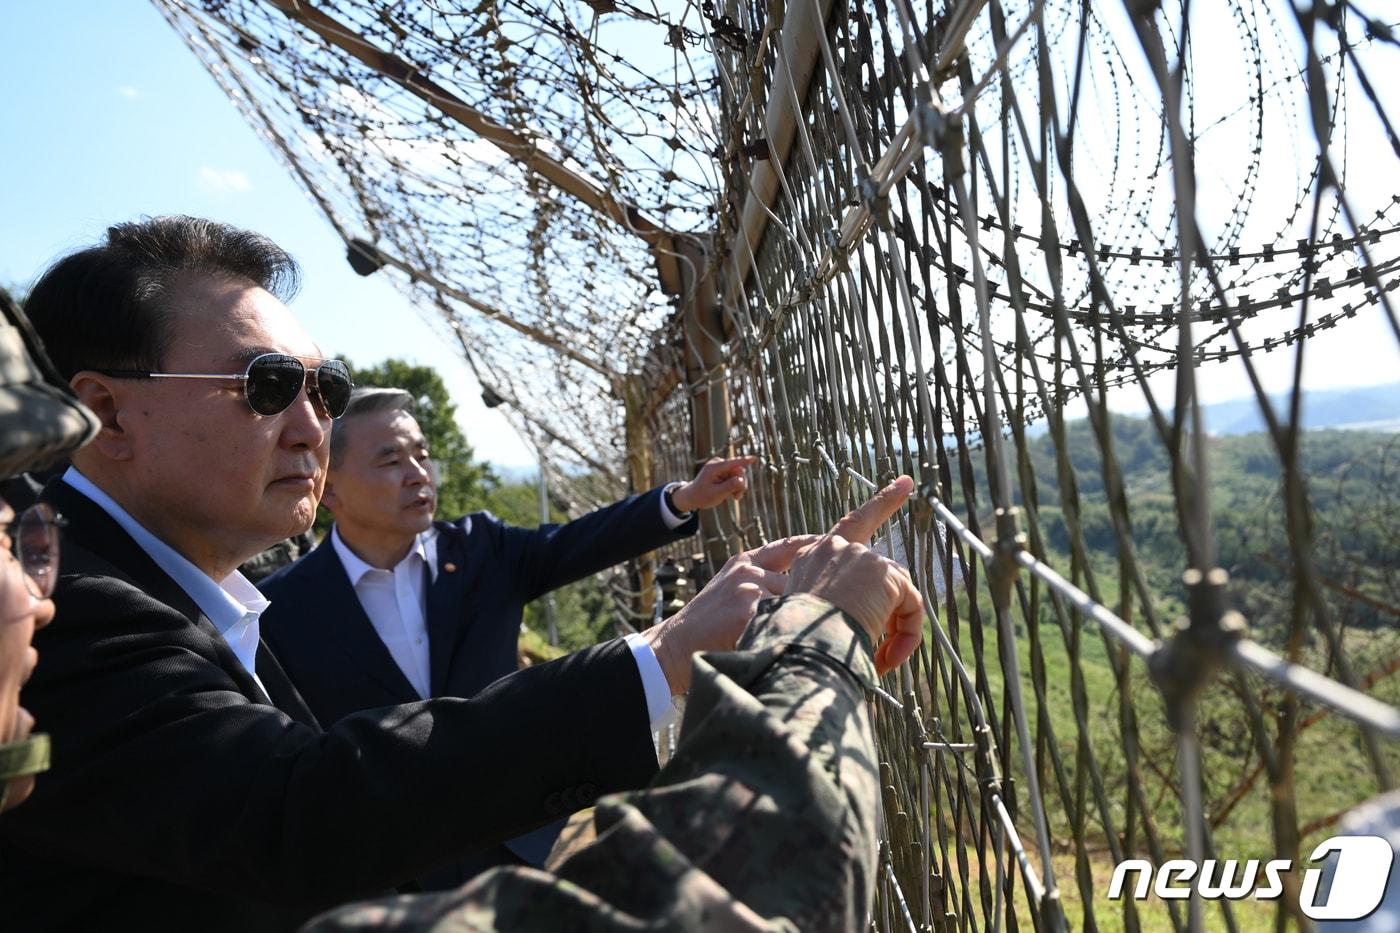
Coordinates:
450 567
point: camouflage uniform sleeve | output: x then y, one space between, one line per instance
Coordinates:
763 819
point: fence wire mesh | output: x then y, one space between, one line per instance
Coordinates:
955 240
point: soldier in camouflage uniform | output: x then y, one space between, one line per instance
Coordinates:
764 819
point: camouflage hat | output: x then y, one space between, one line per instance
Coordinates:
41 420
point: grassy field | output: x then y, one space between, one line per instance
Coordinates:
1332 773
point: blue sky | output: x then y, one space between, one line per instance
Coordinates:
107 116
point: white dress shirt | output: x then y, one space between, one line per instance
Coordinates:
396 603
232 605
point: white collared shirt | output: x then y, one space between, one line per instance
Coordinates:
397 607
232 605
397 603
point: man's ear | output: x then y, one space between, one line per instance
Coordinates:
328 497
105 398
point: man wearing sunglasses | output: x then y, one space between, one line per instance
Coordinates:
394 607
192 788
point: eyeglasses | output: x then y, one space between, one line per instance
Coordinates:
273 381
34 542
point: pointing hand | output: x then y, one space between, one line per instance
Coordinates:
717 481
874 590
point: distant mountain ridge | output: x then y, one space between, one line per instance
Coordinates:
1375 408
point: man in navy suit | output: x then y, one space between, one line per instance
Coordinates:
393 607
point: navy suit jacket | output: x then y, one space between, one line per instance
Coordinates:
486 572
183 797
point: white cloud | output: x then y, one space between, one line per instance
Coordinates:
224 180
128 91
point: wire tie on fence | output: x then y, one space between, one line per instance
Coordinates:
921 512
854 474
930 123
988 774
876 203
840 258
1201 642
888 698
924 499
884 471
845 473
913 718
950 146
886 862
1004 567
801 287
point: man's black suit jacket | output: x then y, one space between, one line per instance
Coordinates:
180 798
486 571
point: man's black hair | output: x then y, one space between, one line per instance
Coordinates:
107 306
366 400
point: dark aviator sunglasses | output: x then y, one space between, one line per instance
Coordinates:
273 381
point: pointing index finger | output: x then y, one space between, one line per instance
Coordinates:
860 524
778 555
736 465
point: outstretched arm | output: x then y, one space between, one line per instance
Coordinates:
555 555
